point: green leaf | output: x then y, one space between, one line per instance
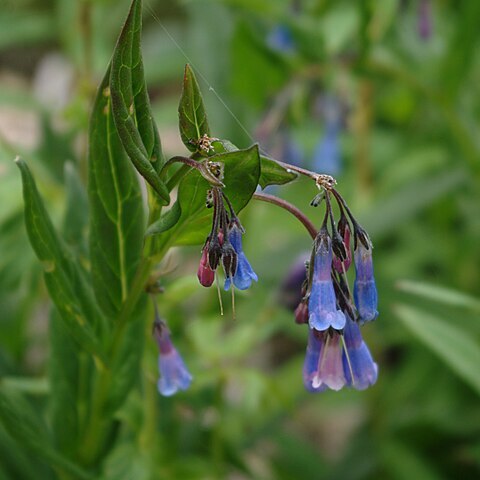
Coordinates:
22 423
274 174
131 105
167 221
454 346
76 215
64 374
116 209
64 282
126 368
439 294
191 112
242 171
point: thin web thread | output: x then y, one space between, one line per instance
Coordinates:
200 74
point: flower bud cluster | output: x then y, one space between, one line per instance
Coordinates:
224 246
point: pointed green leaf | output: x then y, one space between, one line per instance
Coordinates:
242 171
447 296
64 282
191 112
116 209
131 105
76 215
167 221
274 174
23 424
454 346
64 373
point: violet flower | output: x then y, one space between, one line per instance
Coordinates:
322 304
244 274
360 370
174 375
364 288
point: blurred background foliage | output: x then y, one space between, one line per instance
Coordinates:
394 87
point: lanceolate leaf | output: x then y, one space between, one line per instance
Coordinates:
274 174
116 209
64 282
191 112
22 423
131 106
242 170
64 380
166 221
452 345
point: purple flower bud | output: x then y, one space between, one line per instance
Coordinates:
174 375
214 249
425 19
360 369
364 289
301 312
292 289
322 304
244 274
229 259
323 367
344 231
205 274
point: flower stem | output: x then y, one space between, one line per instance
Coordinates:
265 197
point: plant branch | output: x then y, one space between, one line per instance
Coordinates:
298 214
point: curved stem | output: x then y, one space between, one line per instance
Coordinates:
265 197
202 167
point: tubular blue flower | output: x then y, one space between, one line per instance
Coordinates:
174 375
360 370
364 288
322 304
312 358
323 367
244 273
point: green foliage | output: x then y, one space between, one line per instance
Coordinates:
116 209
191 112
78 367
131 106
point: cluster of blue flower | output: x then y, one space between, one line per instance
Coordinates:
337 355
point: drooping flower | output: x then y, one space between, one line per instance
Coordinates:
312 358
364 288
244 274
323 367
174 375
322 304
205 274
360 370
